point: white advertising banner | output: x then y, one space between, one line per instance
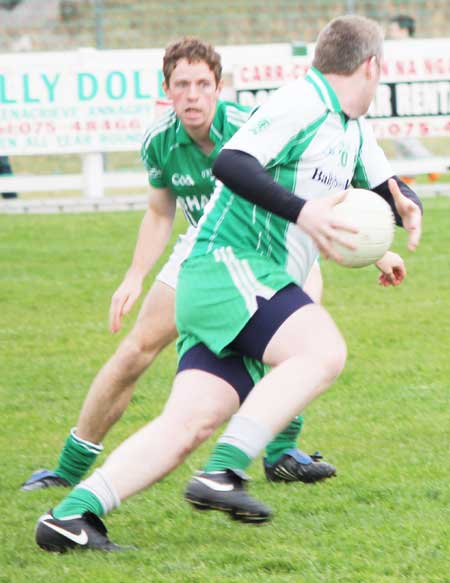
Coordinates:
413 98
82 101
88 100
98 101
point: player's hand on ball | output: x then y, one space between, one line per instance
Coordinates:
318 221
123 300
410 214
392 268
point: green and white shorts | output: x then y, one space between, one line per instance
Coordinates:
218 293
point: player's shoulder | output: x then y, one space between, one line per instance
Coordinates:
161 130
235 113
302 94
234 107
298 101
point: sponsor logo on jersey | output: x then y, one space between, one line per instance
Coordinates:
194 203
182 180
343 157
341 154
330 179
154 173
207 173
262 125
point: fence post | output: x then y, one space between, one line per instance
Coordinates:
93 175
99 12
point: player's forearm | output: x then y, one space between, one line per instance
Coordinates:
383 190
245 176
154 234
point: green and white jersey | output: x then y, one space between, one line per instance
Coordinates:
173 160
307 144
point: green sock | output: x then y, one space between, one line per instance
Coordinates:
286 439
76 457
78 502
225 456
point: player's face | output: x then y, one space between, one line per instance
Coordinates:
194 94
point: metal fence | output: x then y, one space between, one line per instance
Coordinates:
43 25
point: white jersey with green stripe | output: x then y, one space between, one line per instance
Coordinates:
173 160
307 144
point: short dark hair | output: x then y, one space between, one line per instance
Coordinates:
405 22
194 51
345 43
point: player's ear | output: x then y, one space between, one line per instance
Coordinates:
370 67
375 64
220 86
165 88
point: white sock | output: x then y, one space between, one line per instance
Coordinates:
99 485
246 434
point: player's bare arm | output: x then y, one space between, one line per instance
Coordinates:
154 234
405 205
392 268
410 213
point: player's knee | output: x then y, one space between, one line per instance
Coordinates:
142 345
198 428
334 357
203 427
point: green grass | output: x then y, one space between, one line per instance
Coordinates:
385 423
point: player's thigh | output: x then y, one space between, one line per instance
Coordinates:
201 398
288 324
155 324
313 285
309 330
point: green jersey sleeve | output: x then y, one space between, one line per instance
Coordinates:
152 165
154 146
235 115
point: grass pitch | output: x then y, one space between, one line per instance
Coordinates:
385 423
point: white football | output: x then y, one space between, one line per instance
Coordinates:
372 215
